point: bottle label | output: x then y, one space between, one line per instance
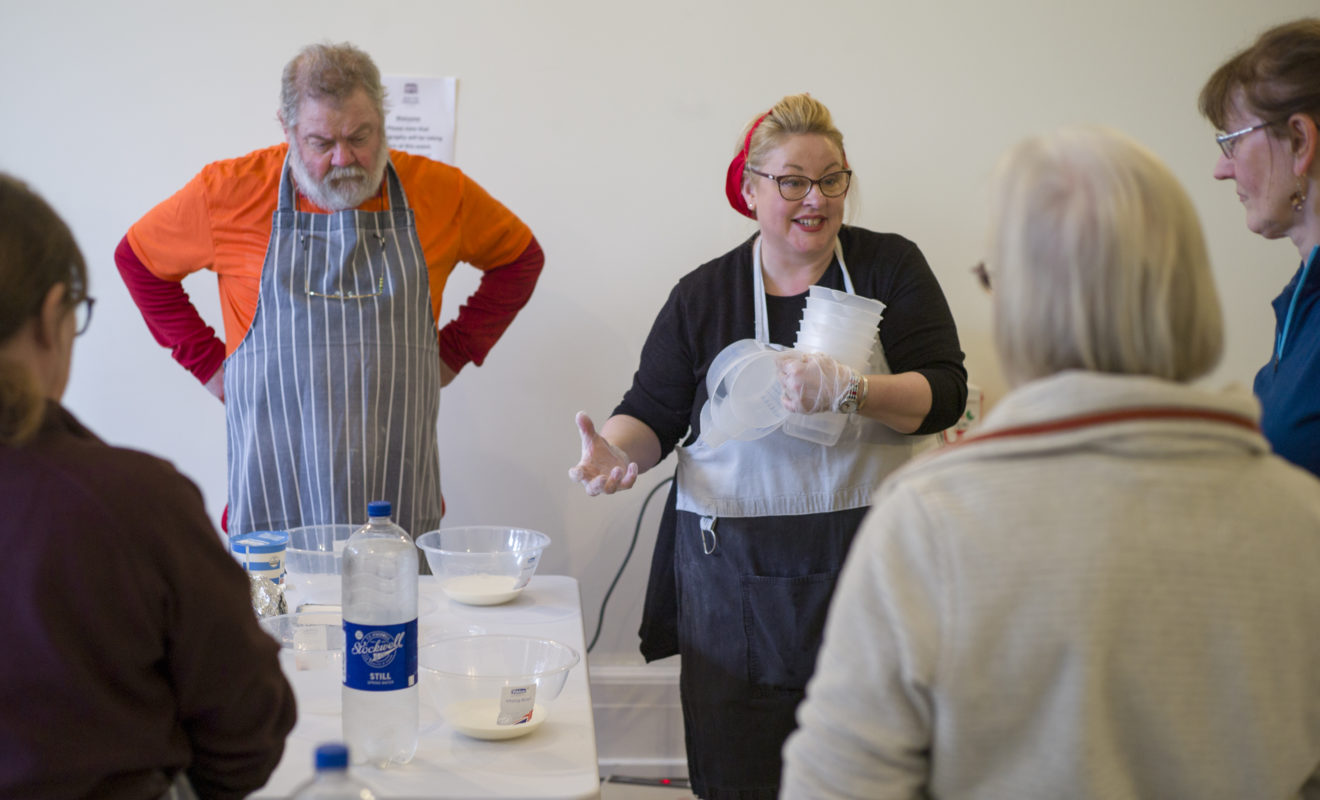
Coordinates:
380 658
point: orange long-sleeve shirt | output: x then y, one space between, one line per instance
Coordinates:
221 221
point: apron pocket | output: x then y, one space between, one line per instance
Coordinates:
784 621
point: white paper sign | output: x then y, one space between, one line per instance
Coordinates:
421 115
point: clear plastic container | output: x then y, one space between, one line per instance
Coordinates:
746 399
851 300
380 641
844 327
824 428
820 306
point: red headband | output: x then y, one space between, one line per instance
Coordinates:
733 178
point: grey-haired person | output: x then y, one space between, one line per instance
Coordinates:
1109 590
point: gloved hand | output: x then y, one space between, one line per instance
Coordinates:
813 382
604 467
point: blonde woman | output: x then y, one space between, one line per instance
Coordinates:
755 531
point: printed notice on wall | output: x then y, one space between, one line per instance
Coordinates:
420 116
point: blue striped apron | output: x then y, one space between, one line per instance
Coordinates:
332 397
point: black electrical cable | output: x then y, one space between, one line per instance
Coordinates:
600 621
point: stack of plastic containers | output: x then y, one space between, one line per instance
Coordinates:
844 327
746 400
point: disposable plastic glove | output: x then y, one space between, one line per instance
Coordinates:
604 468
813 382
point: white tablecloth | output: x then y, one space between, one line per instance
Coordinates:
556 761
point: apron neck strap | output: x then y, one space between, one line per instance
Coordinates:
758 287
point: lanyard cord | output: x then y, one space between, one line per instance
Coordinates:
1292 305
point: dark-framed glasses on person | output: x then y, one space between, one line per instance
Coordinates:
82 315
796 187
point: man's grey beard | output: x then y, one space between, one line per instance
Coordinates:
342 187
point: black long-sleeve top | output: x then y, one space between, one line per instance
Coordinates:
714 306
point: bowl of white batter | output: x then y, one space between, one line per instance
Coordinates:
494 686
483 565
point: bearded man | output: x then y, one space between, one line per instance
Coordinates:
331 252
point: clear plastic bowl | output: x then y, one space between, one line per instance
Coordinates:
312 561
483 565
484 686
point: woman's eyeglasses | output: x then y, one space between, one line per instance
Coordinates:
82 315
1228 141
796 187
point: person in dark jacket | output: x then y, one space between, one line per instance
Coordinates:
136 668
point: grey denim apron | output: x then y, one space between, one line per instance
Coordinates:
332 397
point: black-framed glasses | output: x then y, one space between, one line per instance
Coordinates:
1228 141
982 274
796 187
82 315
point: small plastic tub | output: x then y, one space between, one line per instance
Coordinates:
261 552
820 307
851 300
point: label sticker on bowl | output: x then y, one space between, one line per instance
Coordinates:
528 567
516 704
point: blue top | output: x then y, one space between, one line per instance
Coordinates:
1289 386
379 508
331 756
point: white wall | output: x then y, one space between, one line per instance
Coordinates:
607 126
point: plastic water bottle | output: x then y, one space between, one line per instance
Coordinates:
380 641
332 781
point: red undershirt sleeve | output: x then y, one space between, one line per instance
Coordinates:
171 316
502 293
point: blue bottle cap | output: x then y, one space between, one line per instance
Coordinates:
379 508
331 755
